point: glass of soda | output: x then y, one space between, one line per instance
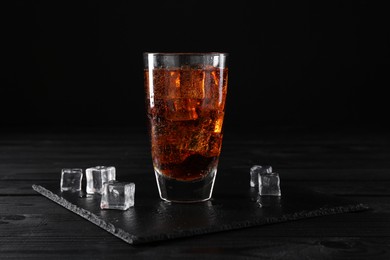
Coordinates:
185 106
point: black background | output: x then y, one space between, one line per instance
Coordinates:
311 64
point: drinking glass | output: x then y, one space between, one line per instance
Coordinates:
185 106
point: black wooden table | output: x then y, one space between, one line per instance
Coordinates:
349 163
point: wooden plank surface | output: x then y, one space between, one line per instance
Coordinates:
344 163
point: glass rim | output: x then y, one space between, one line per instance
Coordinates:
186 53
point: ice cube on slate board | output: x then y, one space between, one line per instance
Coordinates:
255 171
117 195
269 184
97 176
71 179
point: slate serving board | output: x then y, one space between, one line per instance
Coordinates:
152 219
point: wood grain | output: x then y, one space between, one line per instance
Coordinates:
353 164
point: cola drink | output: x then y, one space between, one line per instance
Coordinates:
185 107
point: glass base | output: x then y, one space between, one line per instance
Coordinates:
172 190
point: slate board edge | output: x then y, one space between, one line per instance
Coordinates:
132 239
86 214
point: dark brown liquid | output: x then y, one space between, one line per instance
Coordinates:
186 110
